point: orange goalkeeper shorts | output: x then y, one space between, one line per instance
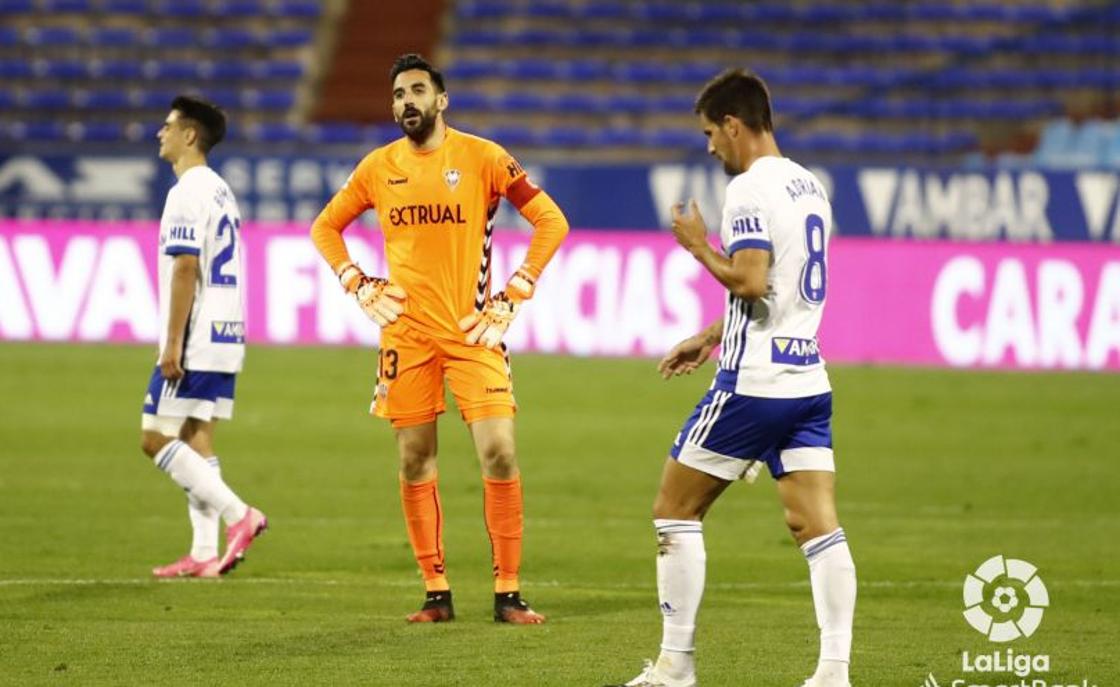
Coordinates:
411 369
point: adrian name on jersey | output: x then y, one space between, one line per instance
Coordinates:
432 213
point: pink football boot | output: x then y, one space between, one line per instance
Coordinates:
189 567
239 536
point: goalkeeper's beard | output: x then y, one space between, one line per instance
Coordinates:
422 130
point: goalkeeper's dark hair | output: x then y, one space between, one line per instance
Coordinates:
207 119
413 60
740 94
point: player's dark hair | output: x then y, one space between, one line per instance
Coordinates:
414 61
738 93
207 119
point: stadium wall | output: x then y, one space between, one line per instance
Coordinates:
900 202
939 303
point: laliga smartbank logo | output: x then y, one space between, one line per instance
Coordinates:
1004 599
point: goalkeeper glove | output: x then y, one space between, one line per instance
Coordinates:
521 285
380 299
488 327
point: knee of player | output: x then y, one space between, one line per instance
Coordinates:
499 461
151 443
416 467
666 508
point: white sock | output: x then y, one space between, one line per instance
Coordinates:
191 472
832 574
680 586
204 522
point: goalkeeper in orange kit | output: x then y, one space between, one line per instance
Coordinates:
435 191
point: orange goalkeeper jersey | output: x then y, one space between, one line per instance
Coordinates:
435 209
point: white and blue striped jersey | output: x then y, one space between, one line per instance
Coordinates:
201 218
769 346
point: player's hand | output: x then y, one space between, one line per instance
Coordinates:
489 326
688 227
382 300
170 361
685 357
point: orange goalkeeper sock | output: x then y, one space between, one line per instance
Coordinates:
423 516
504 522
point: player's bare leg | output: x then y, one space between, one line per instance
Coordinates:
423 516
808 498
504 509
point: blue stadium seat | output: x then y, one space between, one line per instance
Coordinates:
479 37
521 101
466 70
225 98
278 69
272 132
239 8
144 132
483 9
155 99
17 6
171 37
535 37
7 99
565 137
299 9
60 69
46 99
125 6
595 39
674 138
38 130
718 13
618 136
164 70
106 99
609 9
227 69
511 135
231 38
530 69
588 70
672 104
268 100
117 70
550 9
9 37
578 102
67 6
642 72
95 132
288 38
470 101
334 132
633 103
52 36
187 9
113 37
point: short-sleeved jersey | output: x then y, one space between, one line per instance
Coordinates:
769 346
201 218
435 210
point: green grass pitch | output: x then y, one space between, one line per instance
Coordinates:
938 471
